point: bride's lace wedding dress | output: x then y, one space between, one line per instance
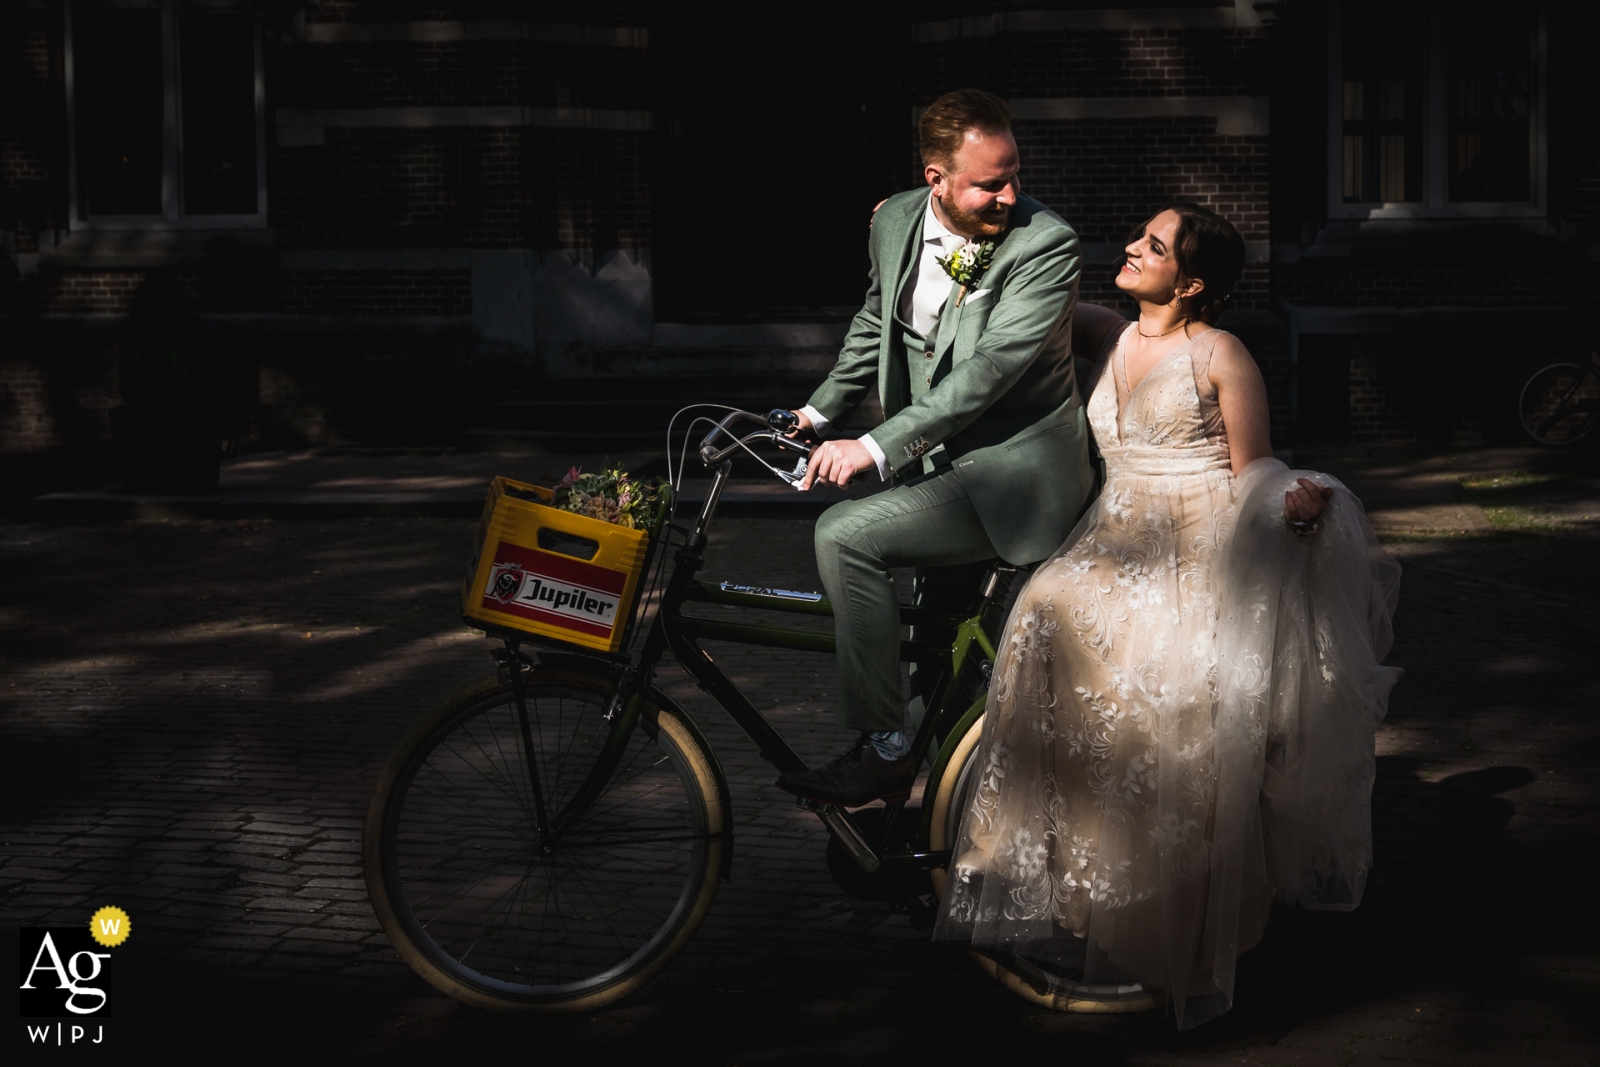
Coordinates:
1180 725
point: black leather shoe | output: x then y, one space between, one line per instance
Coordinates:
858 777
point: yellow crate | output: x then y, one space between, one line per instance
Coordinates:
549 572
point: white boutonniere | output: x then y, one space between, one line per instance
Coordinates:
966 265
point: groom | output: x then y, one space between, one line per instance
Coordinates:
983 436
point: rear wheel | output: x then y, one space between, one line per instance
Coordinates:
957 778
490 912
1560 404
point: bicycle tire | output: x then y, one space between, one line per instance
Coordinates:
462 886
951 794
1559 405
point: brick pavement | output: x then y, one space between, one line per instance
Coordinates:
191 714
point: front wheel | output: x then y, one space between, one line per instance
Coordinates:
490 911
1560 404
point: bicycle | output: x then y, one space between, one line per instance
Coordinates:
549 838
1559 405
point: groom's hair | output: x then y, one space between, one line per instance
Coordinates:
948 119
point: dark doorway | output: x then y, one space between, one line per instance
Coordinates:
773 144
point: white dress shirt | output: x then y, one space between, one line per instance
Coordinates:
920 304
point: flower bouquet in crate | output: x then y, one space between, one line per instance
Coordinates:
563 563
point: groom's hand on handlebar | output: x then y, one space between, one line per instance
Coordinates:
836 462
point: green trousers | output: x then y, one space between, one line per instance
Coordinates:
928 523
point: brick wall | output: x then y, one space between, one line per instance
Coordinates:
1125 63
399 188
31 137
1106 176
231 289
1434 389
377 292
479 73
1377 411
1464 276
26 424
406 10
457 186
55 394
400 73
465 188
90 292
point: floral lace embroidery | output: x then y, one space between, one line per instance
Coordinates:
1136 592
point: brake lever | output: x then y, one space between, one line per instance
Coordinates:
796 476
786 424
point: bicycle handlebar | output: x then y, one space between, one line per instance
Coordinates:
776 426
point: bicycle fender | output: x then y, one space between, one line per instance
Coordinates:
951 741
658 701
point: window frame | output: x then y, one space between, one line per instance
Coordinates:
1436 202
171 216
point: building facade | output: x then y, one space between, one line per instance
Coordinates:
401 222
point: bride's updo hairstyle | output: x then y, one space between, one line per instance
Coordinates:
1207 247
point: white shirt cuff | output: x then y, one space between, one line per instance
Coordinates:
877 456
819 421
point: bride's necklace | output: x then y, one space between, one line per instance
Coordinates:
1156 336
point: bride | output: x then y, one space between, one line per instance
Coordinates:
1180 725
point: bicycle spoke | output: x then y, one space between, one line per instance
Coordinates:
511 794
463 805
484 909
486 777
470 876
568 846
618 800
518 888
499 747
603 913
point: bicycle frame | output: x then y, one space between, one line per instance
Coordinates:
681 634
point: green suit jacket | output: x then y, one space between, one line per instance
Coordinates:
1004 400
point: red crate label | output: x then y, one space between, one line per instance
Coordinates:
551 589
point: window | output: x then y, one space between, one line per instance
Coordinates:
165 107
1490 80
1382 102
1435 109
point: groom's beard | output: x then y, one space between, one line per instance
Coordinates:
977 224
